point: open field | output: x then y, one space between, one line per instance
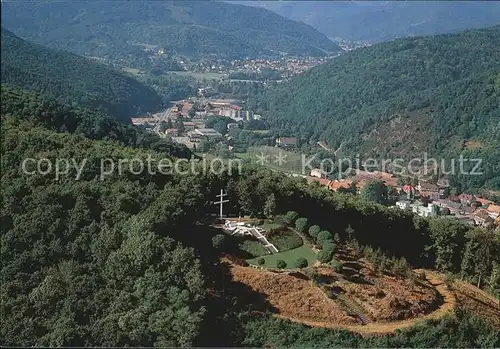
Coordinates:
289 257
253 247
198 76
274 158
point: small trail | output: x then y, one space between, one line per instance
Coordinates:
373 328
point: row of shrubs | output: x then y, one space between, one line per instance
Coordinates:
301 262
322 238
328 243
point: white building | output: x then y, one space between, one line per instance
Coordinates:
403 205
430 211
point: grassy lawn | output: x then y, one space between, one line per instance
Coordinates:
289 257
292 162
283 241
269 226
286 240
253 247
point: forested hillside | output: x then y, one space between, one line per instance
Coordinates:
129 259
376 21
83 121
186 28
434 94
73 80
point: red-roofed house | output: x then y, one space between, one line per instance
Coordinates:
409 188
466 198
322 181
481 217
484 201
454 198
185 109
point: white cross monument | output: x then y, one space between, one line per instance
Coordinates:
221 201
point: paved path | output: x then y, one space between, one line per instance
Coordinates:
255 232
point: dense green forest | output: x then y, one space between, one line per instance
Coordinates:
128 260
185 28
461 332
433 94
83 121
74 80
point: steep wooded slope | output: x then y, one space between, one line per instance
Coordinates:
73 80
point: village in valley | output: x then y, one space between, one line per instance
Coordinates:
215 122
420 197
186 123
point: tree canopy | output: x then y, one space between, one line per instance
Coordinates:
74 80
128 260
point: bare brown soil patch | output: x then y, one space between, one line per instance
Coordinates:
385 298
400 136
292 297
378 328
471 144
477 302
385 302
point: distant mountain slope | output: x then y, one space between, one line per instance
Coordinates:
402 97
376 21
189 28
72 79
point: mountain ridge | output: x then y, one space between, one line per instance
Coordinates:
376 21
107 28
